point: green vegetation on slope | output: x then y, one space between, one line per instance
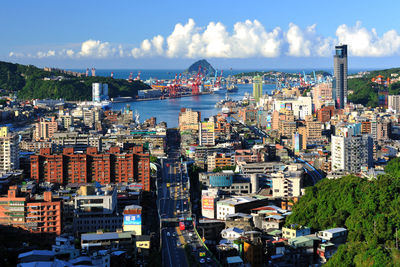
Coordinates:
365 92
27 82
370 210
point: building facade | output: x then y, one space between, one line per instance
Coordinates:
45 128
340 73
113 166
33 214
9 150
351 153
257 87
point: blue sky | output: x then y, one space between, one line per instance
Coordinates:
172 34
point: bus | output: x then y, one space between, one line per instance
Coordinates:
181 226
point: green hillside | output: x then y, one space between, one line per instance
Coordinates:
26 81
370 210
365 92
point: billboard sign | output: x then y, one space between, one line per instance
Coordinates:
133 219
207 203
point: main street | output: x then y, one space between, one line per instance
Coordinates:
173 200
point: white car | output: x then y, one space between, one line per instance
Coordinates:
168 234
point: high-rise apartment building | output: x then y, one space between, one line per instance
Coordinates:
207 133
257 87
189 119
394 102
114 166
99 92
45 128
350 153
37 215
9 150
322 94
339 93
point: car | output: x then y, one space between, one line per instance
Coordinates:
208 260
202 260
168 234
178 244
174 234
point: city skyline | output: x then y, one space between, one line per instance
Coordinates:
157 35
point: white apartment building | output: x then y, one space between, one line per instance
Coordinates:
9 150
301 106
394 102
289 183
350 153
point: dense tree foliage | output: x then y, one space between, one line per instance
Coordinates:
366 92
28 83
369 209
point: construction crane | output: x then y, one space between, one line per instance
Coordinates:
93 72
87 72
130 77
112 75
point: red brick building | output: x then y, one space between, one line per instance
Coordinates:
34 215
114 166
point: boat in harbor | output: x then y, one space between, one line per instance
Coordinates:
121 99
222 102
218 89
232 88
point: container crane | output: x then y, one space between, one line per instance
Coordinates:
173 88
130 77
138 76
196 83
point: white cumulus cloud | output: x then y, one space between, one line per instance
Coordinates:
96 49
149 48
246 39
364 42
306 42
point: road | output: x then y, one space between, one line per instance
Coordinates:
173 201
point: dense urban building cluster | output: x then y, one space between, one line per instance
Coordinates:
96 185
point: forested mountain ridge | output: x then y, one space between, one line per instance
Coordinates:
28 82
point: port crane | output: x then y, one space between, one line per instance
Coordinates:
196 83
173 87
130 77
138 76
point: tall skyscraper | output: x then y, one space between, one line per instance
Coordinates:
339 94
257 87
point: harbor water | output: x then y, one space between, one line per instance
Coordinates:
167 110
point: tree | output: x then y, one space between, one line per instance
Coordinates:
369 209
